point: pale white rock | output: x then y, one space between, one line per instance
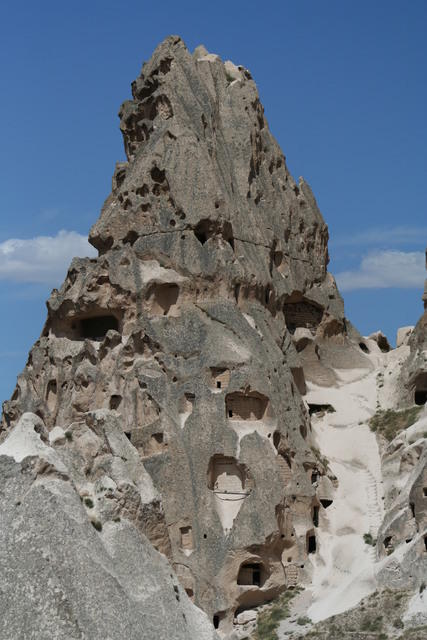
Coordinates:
403 335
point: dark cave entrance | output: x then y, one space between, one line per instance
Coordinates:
420 389
95 328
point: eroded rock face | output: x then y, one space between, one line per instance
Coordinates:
403 535
212 263
414 373
61 577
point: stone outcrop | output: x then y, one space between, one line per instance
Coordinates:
413 380
211 257
162 405
64 574
403 535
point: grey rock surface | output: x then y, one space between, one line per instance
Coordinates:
210 257
60 577
167 383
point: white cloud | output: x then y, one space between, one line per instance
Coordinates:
43 259
385 269
386 237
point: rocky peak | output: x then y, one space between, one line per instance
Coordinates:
168 381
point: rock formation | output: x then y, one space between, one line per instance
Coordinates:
163 401
404 459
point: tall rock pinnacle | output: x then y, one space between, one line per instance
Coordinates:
167 382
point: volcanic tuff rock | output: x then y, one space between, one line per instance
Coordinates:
166 388
62 578
404 462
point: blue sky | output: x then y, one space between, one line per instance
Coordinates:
343 85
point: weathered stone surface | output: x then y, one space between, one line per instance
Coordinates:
403 535
211 256
414 373
403 335
381 340
166 388
62 578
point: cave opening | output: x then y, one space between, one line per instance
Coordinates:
420 389
251 573
316 516
246 406
325 503
302 313
320 408
96 327
311 543
420 397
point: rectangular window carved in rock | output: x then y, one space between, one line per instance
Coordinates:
186 538
246 406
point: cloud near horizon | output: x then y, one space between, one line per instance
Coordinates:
384 269
43 259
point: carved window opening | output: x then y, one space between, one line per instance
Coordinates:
204 230
420 389
246 406
227 476
186 538
316 516
220 378
115 401
51 392
325 503
420 397
251 574
218 618
311 543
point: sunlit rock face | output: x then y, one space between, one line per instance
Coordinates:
403 535
194 332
